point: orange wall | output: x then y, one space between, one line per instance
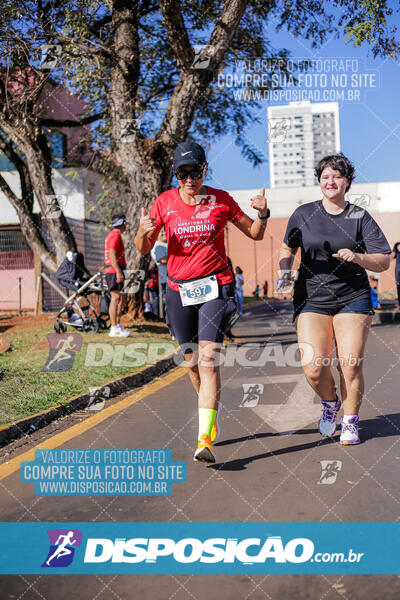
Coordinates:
9 289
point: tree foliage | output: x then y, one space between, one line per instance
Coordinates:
134 62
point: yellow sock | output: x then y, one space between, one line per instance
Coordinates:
206 420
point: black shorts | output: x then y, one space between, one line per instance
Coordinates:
360 306
111 279
206 321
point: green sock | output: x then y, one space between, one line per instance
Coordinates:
206 420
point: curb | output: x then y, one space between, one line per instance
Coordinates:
28 425
384 317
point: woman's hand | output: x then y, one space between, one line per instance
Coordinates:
147 223
345 254
285 285
259 203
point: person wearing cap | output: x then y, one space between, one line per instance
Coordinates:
115 265
200 290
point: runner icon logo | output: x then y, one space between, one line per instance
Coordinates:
98 397
205 203
358 204
133 280
278 128
202 62
251 394
50 53
55 203
62 351
330 470
62 547
128 130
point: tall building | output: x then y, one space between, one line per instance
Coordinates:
299 135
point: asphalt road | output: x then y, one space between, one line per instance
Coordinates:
268 469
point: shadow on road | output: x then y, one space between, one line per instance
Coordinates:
380 426
240 464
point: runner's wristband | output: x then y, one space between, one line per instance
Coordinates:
267 216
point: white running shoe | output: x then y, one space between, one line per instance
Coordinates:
123 329
115 331
349 433
327 422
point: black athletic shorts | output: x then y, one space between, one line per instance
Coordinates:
111 279
206 321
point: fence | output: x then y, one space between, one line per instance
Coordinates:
17 280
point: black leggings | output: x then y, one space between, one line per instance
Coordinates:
206 321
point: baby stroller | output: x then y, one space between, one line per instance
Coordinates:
73 275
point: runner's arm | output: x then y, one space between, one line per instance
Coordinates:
286 257
145 241
373 262
147 234
252 229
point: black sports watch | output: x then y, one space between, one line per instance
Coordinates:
267 216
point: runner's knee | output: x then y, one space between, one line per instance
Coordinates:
351 373
191 360
315 373
209 356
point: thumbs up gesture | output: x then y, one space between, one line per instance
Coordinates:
259 202
147 223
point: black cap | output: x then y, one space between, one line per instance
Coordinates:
189 153
118 220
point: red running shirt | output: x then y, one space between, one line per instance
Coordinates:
114 240
195 234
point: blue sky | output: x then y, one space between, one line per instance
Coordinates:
369 128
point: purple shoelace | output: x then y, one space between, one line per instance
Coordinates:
329 412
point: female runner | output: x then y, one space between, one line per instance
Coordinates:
200 291
332 298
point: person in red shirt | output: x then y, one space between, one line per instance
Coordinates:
115 266
200 291
152 289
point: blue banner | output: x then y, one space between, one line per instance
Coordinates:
153 548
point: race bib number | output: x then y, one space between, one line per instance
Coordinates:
199 290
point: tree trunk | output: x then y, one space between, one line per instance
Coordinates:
32 142
39 164
29 226
147 162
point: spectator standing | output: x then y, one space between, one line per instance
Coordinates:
396 256
152 289
239 282
115 267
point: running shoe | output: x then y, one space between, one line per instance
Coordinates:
327 422
123 329
115 331
349 433
215 431
205 451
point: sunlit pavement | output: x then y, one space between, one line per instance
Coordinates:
272 465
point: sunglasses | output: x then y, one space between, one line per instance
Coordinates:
194 174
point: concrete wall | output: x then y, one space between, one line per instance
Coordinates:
73 183
13 265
